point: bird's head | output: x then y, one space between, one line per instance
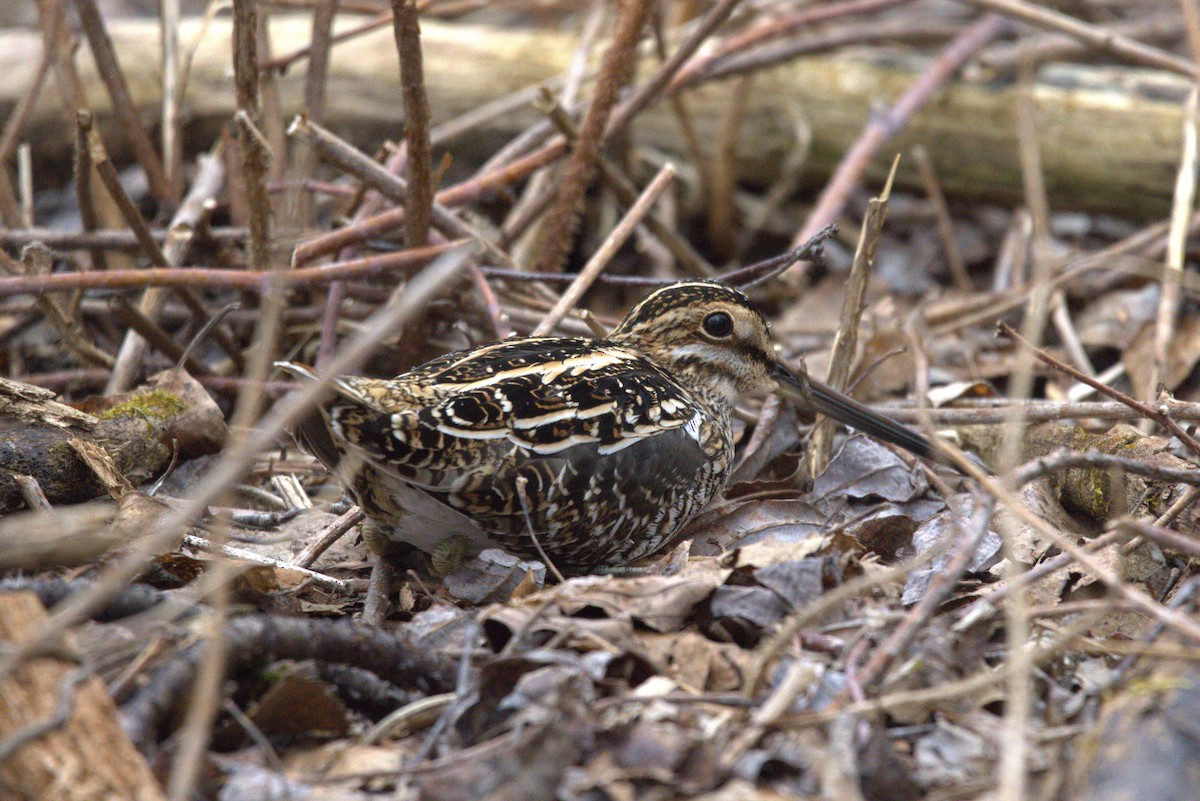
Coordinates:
711 335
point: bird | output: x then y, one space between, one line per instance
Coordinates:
590 453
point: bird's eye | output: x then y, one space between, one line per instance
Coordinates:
718 324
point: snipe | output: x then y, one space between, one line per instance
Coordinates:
602 449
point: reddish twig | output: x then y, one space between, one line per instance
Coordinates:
419 165
249 280
774 29
1159 415
105 56
883 127
562 219
466 192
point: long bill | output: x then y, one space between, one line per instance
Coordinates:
828 401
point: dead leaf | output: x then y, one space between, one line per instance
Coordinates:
493 577
863 469
752 522
661 603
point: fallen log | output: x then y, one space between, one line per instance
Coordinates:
1110 136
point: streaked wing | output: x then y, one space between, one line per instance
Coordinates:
615 456
448 415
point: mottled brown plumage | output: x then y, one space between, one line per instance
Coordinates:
619 441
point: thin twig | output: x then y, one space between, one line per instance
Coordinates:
615 71
882 127
1160 415
105 56
418 210
259 281
1096 36
603 255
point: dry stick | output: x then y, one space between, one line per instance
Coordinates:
1016 613
691 261
1060 47
440 134
1037 412
845 341
283 62
25 182
268 122
172 96
301 208
460 194
204 701
332 313
11 136
616 70
108 176
933 33
351 160
941 212
205 693
253 153
1177 241
1098 37
36 260
332 533
106 238
720 174
244 555
774 29
126 112
258 281
660 81
1160 415
57 40
522 486
419 166
190 214
1163 537
83 189
129 357
376 604
1060 315
491 304
641 99
31 492
305 163
1069 460
128 315
883 127
603 255
519 222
